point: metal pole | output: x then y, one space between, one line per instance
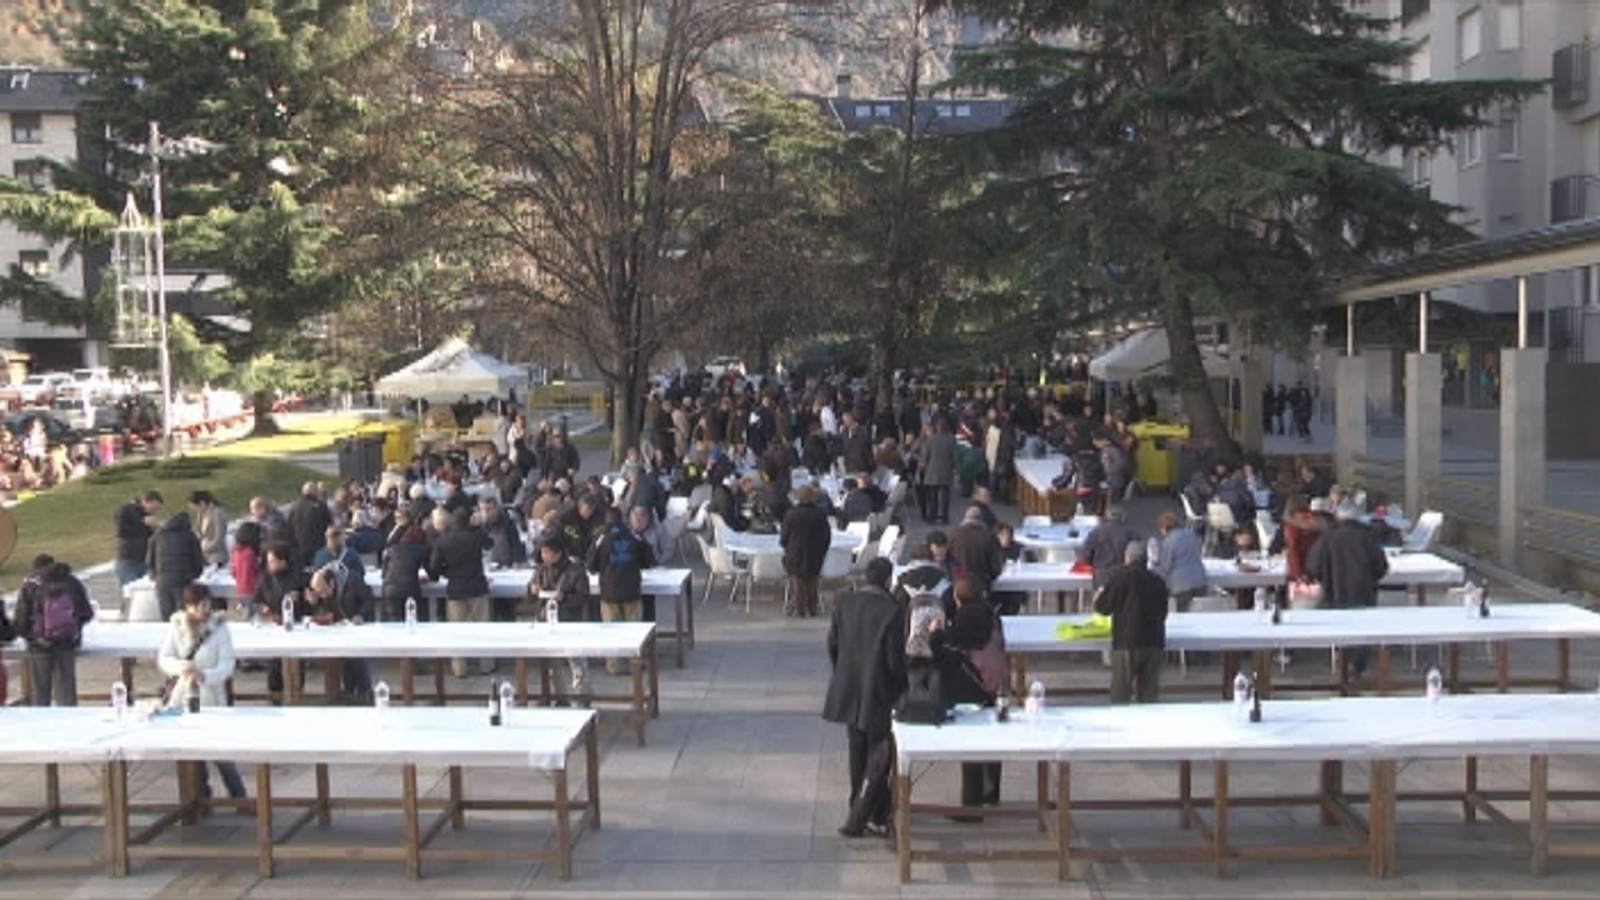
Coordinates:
1522 312
161 288
1421 324
1350 329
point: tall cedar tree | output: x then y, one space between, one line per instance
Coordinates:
1224 158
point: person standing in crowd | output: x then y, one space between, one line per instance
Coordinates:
280 580
52 608
563 579
211 524
938 468
621 558
458 559
1103 548
175 559
1136 600
197 653
1178 561
405 555
1348 562
136 522
244 560
974 552
805 538
955 646
866 649
308 521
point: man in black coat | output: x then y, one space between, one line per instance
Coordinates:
308 523
974 551
1348 561
805 537
1104 547
866 647
136 522
857 445
175 559
1136 600
458 559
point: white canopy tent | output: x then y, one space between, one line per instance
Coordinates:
1145 353
453 369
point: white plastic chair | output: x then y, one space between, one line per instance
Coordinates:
836 568
765 568
867 553
1424 533
1195 521
700 496
886 542
862 532
722 565
1265 532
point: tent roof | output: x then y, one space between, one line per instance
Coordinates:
453 368
1136 355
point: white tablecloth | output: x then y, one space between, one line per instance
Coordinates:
746 543
42 735
1405 570
1354 729
392 640
1040 472
1061 536
1381 625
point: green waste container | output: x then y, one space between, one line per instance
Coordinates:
1155 459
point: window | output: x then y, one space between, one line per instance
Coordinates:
942 110
1420 66
1420 168
863 111
1469 34
27 128
1508 28
1506 134
881 111
32 173
1471 147
35 263
963 110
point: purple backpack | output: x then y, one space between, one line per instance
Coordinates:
55 616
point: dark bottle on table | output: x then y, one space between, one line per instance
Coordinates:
494 706
1483 599
194 696
1255 698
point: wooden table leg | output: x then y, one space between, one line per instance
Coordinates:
291 681
458 812
546 692
1539 813
639 713
654 660
591 744
126 665
1469 788
563 825
1422 595
1453 665
677 629
1380 820
408 680
330 678
1563 665
1384 663
413 833
1185 794
1332 785
902 823
1502 666
1229 669
52 793
116 800
1261 661
439 665
1041 793
189 790
687 598
324 813
1063 821
520 674
264 819
1019 674
1219 817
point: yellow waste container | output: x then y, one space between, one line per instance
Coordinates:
1155 460
399 439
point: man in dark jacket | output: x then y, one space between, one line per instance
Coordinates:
805 538
175 559
559 459
1103 548
857 445
621 558
1348 561
1136 600
563 579
458 558
280 579
974 551
405 554
644 489
308 523
338 594
136 522
52 608
866 647
938 471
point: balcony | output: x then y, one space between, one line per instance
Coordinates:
1569 198
1569 76
1411 9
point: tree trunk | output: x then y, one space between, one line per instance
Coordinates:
265 424
627 409
1188 369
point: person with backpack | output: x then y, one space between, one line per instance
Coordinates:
197 654
969 650
52 608
620 559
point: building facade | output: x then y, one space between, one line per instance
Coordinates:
39 120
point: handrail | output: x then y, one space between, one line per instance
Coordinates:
1467 501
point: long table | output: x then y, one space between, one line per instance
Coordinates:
522 641
533 740
1378 731
1383 626
503 583
1034 494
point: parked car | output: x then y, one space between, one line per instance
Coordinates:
91 383
56 431
85 414
40 388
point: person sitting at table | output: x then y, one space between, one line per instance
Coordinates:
1178 561
338 594
1008 603
955 645
458 558
506 548
335 550
620 559
922 575
562 578
1103 548
725 503
1136 599
1348 562
582 525
197 653
643 489
1313 484
280 579
857 505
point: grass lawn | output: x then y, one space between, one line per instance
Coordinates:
73 522
308 434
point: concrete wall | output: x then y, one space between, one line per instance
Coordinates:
1571 387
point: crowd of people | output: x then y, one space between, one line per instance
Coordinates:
30 462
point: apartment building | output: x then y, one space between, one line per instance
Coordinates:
1533 165
38 120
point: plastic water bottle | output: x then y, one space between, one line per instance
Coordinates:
1034 706
411 614
380 696
1152 550
288 613
1241 694
119 700
1262 612
1435 688
552 611
508 701
1469 601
